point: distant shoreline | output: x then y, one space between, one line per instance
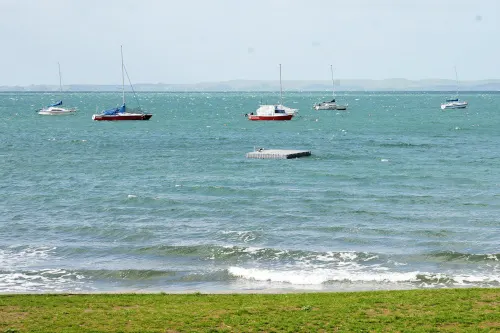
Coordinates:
340 92
342 85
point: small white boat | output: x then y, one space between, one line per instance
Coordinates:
56 109
331 105
270 112
273 112
454 103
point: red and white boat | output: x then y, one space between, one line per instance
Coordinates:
273 112
270 112
121 113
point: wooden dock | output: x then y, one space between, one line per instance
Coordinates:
278 153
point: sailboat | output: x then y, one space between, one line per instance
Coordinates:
454 103
275 111
331 105
56 109
121 113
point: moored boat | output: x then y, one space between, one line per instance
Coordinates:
270 112
275 111
121 113
454 103
56 109
331 105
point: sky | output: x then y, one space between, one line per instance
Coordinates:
193 41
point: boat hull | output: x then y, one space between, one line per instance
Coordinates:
119 117
273 117
330 107
325 107
56 113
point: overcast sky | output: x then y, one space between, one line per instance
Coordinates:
190 41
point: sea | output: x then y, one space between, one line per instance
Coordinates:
397 194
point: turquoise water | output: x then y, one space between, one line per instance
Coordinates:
397 194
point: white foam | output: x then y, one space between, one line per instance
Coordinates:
245 236
15 257
320 276
41 280
356 274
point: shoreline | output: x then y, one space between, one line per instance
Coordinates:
448 310
267 291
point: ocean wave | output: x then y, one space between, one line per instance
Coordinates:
366 275
245 236
45 280
24 255
451 256
127 274
256 254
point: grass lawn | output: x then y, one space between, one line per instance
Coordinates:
439 310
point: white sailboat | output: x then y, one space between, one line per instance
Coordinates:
56 109
331 105
274 112
454 103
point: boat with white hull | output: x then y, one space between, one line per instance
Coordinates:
331 105
270 112
56 109
454 103
275 111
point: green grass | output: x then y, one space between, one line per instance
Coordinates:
443 310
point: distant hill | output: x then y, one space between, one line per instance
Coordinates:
295 85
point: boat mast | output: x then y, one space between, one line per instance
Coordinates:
333 82
60 81
123 77
281 89
456 79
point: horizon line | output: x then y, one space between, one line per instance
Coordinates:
249 80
